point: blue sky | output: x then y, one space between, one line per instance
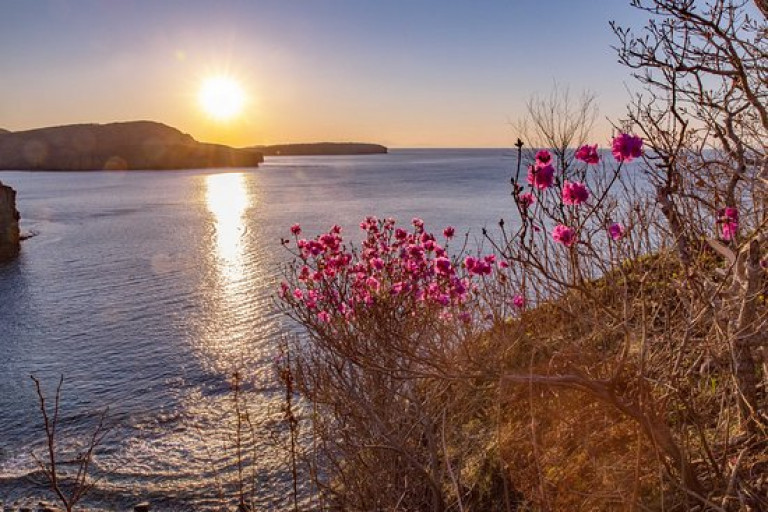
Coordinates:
403 73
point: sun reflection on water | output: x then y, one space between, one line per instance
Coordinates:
227 199
225 332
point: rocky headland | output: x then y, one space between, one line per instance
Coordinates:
9 223
136 145
321 148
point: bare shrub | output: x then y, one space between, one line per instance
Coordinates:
68 488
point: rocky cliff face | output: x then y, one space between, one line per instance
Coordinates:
9 223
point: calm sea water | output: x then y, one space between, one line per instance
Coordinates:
147 290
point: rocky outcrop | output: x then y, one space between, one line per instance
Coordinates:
322 148
9 223
116 146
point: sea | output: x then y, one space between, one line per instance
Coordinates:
147 291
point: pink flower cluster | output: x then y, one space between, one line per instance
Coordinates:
411 266
526 200
574 193
729 223
588 154
564 235
541 175
627 147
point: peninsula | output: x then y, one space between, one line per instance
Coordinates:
321 148
136 145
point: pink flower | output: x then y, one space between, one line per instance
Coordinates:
543 157
459 288
518 301
526 200
373 284
541 177
314 247
729 213
470 263
296 229
481 268
616 231
330 241
588 154
627 147
297 293
376 263
418 223
449 232
324 317
729 219
564 235
503 264
443 266
416 251
574 193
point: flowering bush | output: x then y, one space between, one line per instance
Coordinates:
384 319
404 272
585 190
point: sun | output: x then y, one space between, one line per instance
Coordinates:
221 97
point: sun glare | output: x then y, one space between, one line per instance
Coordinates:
221 97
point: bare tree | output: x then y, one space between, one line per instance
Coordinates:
703 112
68 490
557 120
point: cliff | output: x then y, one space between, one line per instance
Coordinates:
115 146
9 223
322 148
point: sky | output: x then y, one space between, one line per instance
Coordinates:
403 73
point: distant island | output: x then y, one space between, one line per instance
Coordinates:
136 145
321 148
